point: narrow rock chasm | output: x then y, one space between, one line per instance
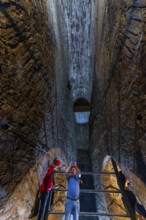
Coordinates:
55 54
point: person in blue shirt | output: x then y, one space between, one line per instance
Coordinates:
72 206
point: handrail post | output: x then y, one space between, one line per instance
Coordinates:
125 198
48 206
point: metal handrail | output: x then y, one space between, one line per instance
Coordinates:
93 214
90 191
24 137
91 173
125 198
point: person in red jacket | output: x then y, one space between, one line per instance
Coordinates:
45 190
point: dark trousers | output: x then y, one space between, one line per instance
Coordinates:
140 209
44 205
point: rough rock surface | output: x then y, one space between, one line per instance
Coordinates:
118 115
45 45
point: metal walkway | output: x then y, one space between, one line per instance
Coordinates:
129 213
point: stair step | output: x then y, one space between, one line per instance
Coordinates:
94 214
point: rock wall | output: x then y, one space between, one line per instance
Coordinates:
28 101
117 123
37 48
27 75
65 128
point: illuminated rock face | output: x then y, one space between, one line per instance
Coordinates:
118 116
52 53
77 29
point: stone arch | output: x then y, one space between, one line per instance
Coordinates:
81 105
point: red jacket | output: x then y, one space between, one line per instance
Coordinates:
47 183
